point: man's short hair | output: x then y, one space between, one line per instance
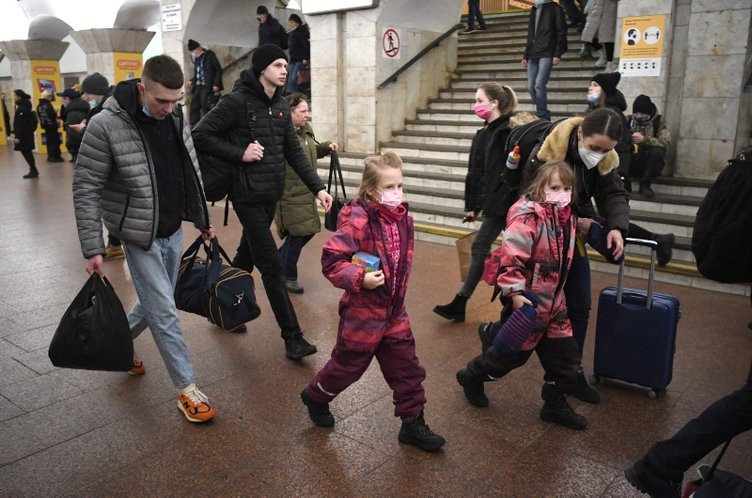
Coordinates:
164 70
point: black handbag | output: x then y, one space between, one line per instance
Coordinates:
94 333
335 173
223 294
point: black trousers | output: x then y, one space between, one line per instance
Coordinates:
29 156
724 419
199 103
258 248
560 359
647 163
53 143
574 14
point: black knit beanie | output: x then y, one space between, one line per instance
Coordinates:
193 45
96 84
261 10
608 82
265 55
642 104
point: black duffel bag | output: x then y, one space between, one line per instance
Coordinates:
223 294
93 333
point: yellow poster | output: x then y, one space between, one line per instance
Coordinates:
642 45
127 66
45 75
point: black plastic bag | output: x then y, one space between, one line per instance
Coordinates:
335 174
93 333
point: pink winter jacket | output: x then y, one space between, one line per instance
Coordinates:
533 258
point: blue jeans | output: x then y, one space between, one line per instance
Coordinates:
538 71
473 11
292 76
577 294
289 253
154 273
484 239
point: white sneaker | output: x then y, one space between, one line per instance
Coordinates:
609 67
601 62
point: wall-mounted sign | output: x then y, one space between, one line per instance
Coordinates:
327 6
127 66
390 44
642 45
171 17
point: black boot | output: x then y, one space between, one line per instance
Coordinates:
473 388
319 412
486 337
646 191
665 248
584 391
454 311
559 412
416 432
32 174
644 479
297 347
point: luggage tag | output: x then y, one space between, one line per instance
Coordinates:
368 261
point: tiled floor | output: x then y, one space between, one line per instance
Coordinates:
106 434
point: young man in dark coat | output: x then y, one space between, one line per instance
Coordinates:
207 80
76 111
24 126
652 139
251 129
270 31
48 122
546 43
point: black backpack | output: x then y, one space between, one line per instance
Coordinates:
722 236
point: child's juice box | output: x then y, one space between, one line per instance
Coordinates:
367 261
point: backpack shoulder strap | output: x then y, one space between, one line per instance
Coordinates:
656 125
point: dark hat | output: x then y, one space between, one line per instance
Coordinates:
71 93
96 84
296 18
264 55
261 10
21 93
193 44
608 82
642 104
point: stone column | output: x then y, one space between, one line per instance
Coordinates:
35 66
172 41
113 52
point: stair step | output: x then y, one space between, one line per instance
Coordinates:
502 74
519 84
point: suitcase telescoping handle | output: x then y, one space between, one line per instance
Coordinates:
653 245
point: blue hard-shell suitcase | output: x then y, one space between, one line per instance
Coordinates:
636 332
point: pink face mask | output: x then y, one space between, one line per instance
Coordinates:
482 111
561 198
391 198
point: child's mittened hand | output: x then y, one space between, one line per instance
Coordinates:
373 279
518 301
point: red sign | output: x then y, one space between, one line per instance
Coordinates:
390 43
44 69
128 63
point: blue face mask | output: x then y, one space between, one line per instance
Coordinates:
92 104
540 2
593 97
146 110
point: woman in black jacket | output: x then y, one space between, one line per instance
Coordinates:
300 50
494 104
24 126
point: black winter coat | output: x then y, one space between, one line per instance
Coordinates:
550 38
24 126
485 167
47 115
76 112
300 44
245 115
212 70
272 32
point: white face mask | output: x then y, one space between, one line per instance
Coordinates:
589 157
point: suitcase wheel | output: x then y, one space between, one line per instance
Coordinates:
655 393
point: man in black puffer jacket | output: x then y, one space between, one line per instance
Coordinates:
251 128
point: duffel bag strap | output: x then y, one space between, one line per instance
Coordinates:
192 252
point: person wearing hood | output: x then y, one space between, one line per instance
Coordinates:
24 125
76 110
138 173
652 139
602 92
251 127
95 89
207 80
300 50
48 121
270 30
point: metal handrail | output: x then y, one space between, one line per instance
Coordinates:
420 54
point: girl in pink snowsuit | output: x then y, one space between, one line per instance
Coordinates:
373 320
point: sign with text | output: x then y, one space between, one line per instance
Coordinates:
390 44
127 66
171 17
642 45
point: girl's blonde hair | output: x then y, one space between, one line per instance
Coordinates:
537 188
372 173
503 94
